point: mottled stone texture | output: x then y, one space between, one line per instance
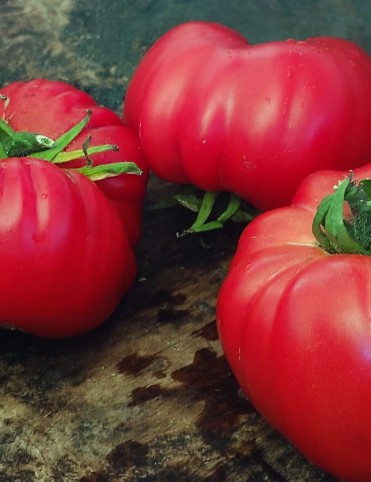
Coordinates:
148 396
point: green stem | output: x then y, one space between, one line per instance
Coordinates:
334 232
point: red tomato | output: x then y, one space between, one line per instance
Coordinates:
294 322
52 107
214 111
65 255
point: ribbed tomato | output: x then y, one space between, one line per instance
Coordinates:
294 320
212 110
65 255
51 108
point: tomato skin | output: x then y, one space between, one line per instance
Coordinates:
52 107
216 112
294 323
65 255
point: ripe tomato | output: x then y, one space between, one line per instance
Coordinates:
65 255
294 322
214 111
51 108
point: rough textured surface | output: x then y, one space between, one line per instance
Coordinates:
148 396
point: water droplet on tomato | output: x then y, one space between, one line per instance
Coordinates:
352 63
268 99
248 163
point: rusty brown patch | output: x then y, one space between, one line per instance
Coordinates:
162 297
144 394
126 455
176 473
95 477
159 374
134 363
223 406
208 332
169 314
202 380
158 299
217 476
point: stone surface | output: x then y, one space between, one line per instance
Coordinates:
148 396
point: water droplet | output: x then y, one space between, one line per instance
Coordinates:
248 163
352 63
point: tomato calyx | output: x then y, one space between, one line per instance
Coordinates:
342 223
213 209
28 144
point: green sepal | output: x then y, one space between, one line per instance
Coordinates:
22 144
63 141
103 171
339 234
67 156
5 130
16 144
205 207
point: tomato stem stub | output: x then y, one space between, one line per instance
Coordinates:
342 223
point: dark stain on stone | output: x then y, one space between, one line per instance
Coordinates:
126 455
169 314
256 458
218 475
144 394
159 374
208 332
209 379
158 299
95 477
176 473
22 476
162 297
22 457
134 363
